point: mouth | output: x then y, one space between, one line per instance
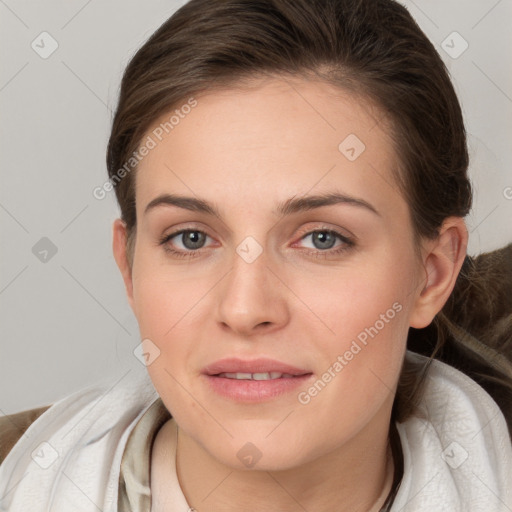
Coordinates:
254 381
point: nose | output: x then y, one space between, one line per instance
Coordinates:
252 299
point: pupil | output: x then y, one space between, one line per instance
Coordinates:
193 239
326 240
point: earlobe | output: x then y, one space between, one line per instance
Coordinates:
119 247
442 263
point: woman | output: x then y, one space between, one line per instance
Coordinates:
292 178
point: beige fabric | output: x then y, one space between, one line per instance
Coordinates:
135 478
135 472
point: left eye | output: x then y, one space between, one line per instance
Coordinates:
324 239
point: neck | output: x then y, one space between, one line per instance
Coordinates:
356 478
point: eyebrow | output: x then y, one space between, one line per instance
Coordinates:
288 207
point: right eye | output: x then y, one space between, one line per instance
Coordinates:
191 240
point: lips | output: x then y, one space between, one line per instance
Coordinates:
255 381
257 369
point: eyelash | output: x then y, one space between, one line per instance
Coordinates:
346 245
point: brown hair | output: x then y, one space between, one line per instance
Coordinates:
372 48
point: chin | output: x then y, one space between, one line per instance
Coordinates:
254 450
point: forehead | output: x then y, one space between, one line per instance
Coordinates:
277 138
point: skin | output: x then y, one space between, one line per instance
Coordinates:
246 150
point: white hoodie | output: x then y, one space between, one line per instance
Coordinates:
457 449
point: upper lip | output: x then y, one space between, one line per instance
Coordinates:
261 365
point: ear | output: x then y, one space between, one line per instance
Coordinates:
119 248
442 260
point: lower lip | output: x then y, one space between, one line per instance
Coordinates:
246 390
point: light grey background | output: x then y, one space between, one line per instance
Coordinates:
65 323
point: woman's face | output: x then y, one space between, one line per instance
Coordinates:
278 272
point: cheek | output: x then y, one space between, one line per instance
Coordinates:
168 306
347 302
163 297
164 308
360 329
